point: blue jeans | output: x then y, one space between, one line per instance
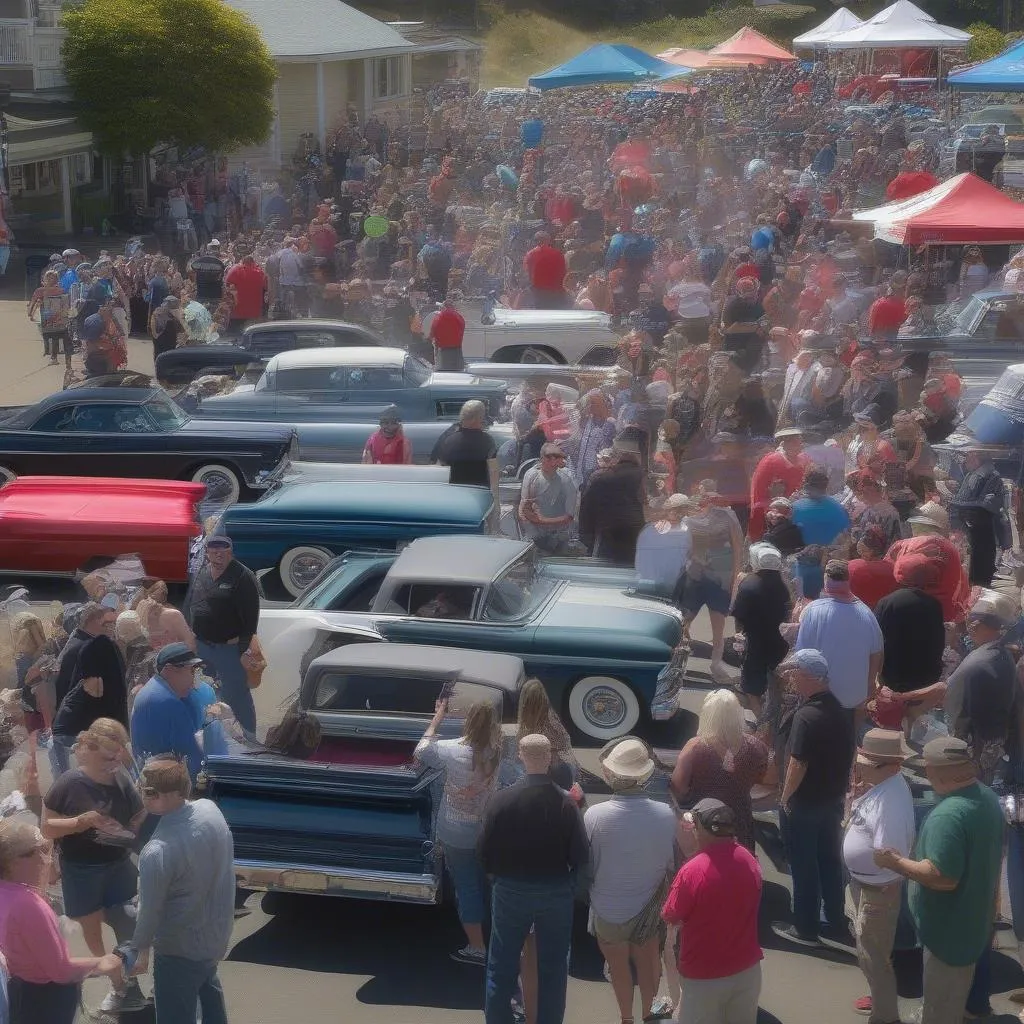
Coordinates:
516 907
181 985
225 662
813 835
1015 877
469 880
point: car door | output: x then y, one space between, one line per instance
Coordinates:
316 392
371 389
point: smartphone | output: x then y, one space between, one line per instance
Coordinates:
448 688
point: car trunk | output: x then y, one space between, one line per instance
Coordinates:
354 819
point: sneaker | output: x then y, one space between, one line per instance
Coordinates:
661 1009
129 1001
839 938
469 955
790 934
863 1006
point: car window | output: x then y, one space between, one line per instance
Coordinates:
397 694
517 591
320 339
104 418
375 378
55 419
358 600
435 600
166 414
417 372
271 342
300 379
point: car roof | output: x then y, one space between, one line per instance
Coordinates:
118 395
471 560
505 670
307 325
342 355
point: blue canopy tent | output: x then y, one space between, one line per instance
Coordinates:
608 62
1002 73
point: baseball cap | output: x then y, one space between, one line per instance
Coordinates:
809 660
178 654
219 540
715 816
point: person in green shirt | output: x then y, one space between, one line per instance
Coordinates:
954 878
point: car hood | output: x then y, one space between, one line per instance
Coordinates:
601 618
452 381
243 430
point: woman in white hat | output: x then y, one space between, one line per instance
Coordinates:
632 844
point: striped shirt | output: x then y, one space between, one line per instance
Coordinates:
632 850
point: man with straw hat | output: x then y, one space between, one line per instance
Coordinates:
954 877
632 848
881 816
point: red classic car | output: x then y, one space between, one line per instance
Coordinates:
60 525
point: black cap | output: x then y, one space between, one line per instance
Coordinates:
715 817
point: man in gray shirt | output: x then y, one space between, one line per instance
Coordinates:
186 896
548 500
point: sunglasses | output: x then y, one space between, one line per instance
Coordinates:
149 791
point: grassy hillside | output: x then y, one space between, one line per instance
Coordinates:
520 45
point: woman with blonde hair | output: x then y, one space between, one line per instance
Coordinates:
45 979
470 767
163 623
538 717
29 646
93 813
722 761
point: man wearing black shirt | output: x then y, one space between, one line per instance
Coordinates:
91 623
612 506
819 740
469 450
223 609
208 273
532 842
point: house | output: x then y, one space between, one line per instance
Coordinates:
330 57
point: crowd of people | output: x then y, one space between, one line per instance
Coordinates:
763 449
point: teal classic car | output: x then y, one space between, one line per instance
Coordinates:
609 657
298 527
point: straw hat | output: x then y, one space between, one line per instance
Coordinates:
628 761
883 746
932 514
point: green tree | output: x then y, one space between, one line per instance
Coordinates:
186 72
987 41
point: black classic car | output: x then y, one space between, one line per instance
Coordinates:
140 432
357 816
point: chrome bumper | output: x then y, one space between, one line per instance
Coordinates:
269 876
665 708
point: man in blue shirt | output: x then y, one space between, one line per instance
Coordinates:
163 717
71 258
822 521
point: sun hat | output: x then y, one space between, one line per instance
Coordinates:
789 432
883 746
783 504
550 448
931 513
999 607
219 540
629 760
946 752
765 556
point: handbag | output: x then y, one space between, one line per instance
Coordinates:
254 663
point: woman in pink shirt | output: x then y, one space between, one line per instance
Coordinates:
44 978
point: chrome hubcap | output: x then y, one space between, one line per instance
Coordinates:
604 707
305 569
219 486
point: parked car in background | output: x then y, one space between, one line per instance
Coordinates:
299 526
64 525
357 818
353 385
140 432
608 658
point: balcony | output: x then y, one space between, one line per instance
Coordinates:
15 43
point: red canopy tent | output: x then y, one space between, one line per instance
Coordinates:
910 183
747 46
685 58
963 210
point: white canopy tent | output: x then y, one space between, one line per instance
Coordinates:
901 25
842 21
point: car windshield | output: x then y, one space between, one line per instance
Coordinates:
966 321
166 413
417 372
518 591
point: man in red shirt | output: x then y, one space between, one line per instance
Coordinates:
249 284
447 329
779 474
546 268
887 313
715 897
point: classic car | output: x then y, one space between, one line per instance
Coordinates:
299 526
353 385
607 657
140 432
260 342
504 335
357 818
63 525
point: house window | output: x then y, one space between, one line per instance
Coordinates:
43 177
388 77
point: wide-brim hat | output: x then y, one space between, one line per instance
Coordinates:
883 746
931 513
629 760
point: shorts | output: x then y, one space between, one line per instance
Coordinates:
92 887
54 341
467 874
705 590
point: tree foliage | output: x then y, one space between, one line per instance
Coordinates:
186 72
986 42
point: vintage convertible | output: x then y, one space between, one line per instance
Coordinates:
65 525
140 432
357 817
353 385
302 523
608 657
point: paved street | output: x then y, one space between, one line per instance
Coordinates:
319 961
